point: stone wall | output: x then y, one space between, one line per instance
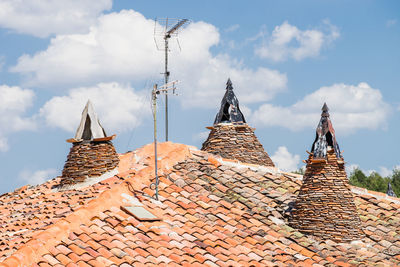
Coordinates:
87 159
325 205
236 142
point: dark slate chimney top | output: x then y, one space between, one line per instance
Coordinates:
229 111
229 84
390 191
325 110
325 136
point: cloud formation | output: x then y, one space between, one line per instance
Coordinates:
119 107
120 47
391 22
285 160
352 107
37 177
287 41
232 28
14 102
42 18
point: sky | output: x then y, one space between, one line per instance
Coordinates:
285 59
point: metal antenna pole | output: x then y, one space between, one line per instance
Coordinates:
166 77
170 28
154 99
158 90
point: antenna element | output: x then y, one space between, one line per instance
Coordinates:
164 89
167 28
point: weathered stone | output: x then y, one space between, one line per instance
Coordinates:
236 142
87 159
325 205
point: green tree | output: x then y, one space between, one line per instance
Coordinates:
395 181
374 181
358 178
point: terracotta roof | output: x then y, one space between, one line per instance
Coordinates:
213 212
30 209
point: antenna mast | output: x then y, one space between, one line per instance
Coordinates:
164 89
167 28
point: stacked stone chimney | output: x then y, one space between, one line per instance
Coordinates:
92 153
325 205
390 191
231 137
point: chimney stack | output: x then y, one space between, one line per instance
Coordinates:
390 191
325 205
231 137
92 153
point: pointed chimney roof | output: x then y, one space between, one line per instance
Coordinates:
325 136
390 191
229 111
231 137
90 128
92 153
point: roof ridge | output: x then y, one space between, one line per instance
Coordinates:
41 242
378 195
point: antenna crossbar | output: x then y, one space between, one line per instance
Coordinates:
175 28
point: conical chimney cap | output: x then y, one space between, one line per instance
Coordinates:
325 110
325 136
90 128
229 111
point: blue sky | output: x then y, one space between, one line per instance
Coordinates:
285 58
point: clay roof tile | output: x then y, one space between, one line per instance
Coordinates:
202 224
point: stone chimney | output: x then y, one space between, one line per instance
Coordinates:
231 137
92 153
390 191
325 205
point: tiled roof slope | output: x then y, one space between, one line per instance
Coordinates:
30 209
213 212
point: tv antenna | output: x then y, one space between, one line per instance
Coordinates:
164 89
167 28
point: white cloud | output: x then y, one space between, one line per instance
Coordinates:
202 136
232 28
44 17
391 22
287 41
350 168
14 101
37 177
352 107
119 107
383 171
285 160
120 47
4 144
205 87
2 62
246 112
